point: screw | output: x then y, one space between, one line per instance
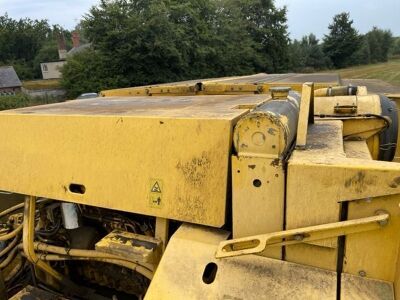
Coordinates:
362 273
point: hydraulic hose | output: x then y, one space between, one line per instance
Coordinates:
28 237
123 263
9 246
10 235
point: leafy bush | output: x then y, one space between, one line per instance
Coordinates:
22 100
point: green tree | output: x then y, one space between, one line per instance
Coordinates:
297 56
379 41
24 42
267 26
395 49
316 58
307 55
144 42
363 55
86 71
342 41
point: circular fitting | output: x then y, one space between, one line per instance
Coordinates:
258 138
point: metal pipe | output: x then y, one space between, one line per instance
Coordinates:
123 263
336 91
9 246
9 258
17 206
77 254
28 238
87 253
11 234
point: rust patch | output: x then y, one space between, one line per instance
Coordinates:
359 182
275 162
189 207
272 131
196 170
395 183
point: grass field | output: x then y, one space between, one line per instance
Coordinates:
388 72
41 84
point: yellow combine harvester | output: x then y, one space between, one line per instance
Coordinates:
255 187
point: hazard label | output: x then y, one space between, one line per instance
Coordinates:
155 193
156 188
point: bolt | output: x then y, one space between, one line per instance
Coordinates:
362 273
298 237
381 212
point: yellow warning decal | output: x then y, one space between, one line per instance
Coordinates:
155 193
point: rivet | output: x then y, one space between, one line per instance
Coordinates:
362 273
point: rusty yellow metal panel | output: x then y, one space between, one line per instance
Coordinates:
329 178
357 149
304 208
359 288
312 255
183 274
251 84
396 283
369 104
111 153
374 254
258 195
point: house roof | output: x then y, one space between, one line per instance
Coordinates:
75 50
8 78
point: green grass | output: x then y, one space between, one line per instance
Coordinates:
41 84
388 72
21 100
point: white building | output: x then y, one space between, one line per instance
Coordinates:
51 70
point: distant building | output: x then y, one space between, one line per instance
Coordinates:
76 44
9 81
51 70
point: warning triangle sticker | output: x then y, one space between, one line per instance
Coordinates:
156 188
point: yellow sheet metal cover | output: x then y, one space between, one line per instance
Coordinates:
160 156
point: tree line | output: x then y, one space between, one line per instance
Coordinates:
26 43
138 42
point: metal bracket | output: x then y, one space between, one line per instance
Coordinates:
258 243
306 115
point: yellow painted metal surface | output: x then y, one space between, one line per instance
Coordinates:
374 254
258 196
369 104
252 84
306 106
334 178
181 272
360 288
357 149
107 153
267 131
262 140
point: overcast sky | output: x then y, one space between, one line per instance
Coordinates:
304 16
